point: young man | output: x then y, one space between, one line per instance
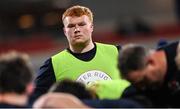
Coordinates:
154 73
84 60
15 80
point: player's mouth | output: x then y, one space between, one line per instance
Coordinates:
77 36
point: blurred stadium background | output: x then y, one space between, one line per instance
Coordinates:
35 27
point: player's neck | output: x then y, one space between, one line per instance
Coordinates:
82 48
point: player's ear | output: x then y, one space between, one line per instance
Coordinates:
150 60
92 26
65 31
151 57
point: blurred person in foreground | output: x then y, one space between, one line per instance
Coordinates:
58 100
84 61
61 96
153 73
65 100
84 95
89 97
16 77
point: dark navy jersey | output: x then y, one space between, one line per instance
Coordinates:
45 77
170 52
172 78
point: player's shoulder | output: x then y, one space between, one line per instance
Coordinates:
108 45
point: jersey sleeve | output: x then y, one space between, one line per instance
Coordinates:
44 79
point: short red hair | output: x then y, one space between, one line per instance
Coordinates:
78 11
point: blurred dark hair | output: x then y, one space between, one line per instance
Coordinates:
15 72
131 58
75 88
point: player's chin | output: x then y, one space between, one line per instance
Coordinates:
79 42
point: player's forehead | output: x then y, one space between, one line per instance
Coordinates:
76 19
